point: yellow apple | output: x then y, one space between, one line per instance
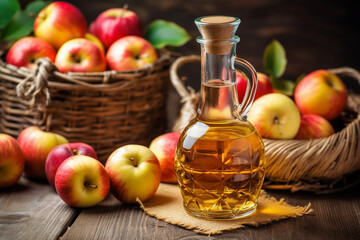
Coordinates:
134 172
80 55
275 116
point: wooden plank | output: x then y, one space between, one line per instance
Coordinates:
336 216
33 210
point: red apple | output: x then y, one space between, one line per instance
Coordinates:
321 92
82 181
264 85
59 22
36 145
80 55
60 153
130 53
116 23
26 51
275 116
134 172
164 147
11 161
314 126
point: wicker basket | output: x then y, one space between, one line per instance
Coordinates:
319 165
106 109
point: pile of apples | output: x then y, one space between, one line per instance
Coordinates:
318 98
131 172
114 41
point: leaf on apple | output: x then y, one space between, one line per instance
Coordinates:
161 33
275 59
23 21
7 11
284 86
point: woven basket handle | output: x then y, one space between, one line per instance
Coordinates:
184 92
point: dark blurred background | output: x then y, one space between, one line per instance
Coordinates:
315 33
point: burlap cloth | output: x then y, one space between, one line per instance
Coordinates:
167 205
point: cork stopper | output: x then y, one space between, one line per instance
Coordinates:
217 33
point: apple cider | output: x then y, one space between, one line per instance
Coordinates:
220 163
219 160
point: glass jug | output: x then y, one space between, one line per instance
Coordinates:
219 161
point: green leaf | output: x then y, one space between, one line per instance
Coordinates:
161 33
7 10
275 59
299 78
22 23
284 86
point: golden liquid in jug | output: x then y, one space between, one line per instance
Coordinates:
219 164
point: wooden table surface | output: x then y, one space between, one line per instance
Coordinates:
316 34
33 210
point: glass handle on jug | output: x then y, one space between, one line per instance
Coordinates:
249 71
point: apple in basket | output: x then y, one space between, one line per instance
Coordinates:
59 22
264 85
60 153
82 181
11 161
130 53
314 126
134 172
275 116
321 92
80 55
95 40
114 24
164 147
26 51
36 145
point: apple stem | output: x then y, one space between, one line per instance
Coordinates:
133 161
125 7
75 152
86 184
276 120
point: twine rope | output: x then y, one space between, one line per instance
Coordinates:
35 87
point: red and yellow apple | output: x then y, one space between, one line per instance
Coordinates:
314 126
116 23
26 51
60 153
60 22
95 40
275 116
11 161
82 181
80 55
264 85
134 172
36 145
164 147
130 53
321 92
